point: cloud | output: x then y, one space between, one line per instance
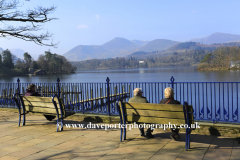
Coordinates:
82 26
97 16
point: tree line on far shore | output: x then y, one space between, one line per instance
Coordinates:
10 65
225 57
182 59
222 58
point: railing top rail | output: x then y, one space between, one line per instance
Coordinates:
109 82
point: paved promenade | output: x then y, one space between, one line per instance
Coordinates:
38 140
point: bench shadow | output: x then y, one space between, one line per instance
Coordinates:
215 141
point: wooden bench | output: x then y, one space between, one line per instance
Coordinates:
48 106
150 113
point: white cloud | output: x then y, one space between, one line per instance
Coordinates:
82 26
97 16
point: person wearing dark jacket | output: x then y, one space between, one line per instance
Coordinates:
138 98
169 99
31 92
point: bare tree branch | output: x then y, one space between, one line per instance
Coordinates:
35 17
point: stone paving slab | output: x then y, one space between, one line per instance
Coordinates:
39 140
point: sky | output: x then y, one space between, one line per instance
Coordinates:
95 22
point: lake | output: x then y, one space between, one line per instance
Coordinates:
163 74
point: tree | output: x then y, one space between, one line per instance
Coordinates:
7 59
32 17
234 53
42 62
28 59
21 66
207 59
35 65
48 55
53 63
221 57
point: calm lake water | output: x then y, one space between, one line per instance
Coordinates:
163 74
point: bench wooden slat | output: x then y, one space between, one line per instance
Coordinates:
39 109
154 120
38 98
160 114
153 106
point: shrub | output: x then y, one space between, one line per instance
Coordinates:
202 66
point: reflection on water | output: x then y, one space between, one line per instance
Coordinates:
163 74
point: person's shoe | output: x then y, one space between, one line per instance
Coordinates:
149 135
142 132
175 136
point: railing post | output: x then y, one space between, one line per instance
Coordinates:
58 80
18 80
108 96
172 82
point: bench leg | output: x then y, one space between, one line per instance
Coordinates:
189 140
186 141
57 125
61 125
124 134
187 145
24 119
19 121
121 135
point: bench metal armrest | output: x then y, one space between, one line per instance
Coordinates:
19 101
55 104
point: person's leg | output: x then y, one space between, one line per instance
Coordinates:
141 131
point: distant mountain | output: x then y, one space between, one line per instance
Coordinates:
121 47
84 52
120 44
118 47
140 43
181 48
18 52
158 45
194 46
218 38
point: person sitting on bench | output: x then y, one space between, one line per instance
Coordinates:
30 91
138 98
169 99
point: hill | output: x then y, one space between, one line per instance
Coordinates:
181 48
118 47
218 38
158 45
140 43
